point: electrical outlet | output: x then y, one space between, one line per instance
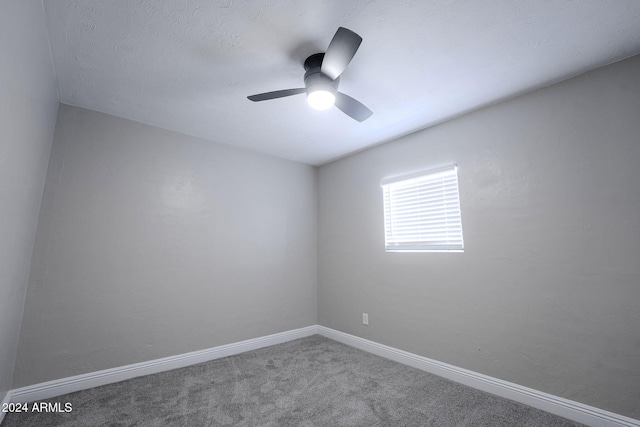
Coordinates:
365 319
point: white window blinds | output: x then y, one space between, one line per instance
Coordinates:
422 213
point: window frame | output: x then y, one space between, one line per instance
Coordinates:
450 207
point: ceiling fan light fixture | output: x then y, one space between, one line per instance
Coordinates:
322 77
321 98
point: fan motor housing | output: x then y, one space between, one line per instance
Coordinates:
314 79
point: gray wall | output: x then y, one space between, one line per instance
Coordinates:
151 243
28 105
546 293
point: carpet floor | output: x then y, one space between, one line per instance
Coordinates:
312 381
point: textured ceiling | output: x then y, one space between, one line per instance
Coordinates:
188 65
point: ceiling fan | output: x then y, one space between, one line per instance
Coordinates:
322 77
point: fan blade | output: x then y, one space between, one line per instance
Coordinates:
352 108
340 52
275 94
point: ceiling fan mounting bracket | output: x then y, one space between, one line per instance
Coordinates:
313 61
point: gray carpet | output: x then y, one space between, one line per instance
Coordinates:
312 381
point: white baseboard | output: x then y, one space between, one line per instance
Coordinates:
547 402
62 386
575 411
7 399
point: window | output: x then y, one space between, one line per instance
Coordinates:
422 212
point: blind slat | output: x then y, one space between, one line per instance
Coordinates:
436 186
